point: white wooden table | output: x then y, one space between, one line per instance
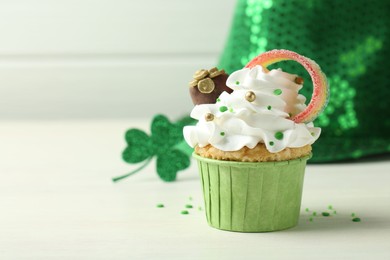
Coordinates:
57 201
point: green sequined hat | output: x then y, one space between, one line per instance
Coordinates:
349 39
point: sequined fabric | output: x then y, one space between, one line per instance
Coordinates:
350 40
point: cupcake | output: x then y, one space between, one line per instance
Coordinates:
253 141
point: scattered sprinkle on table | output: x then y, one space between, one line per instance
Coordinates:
184 212
188 206
329 213
160 205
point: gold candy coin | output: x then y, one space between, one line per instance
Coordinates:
206 85
216 73
193 83
200 74
209 117
250 96
213 70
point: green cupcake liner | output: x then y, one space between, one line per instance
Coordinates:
252 197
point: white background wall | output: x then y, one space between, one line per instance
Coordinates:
105 58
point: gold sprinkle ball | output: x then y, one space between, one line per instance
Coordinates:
250 96
209 117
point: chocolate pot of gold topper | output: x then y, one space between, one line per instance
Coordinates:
207 85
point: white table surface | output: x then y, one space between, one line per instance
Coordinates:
57 201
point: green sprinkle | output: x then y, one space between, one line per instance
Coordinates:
312 134
314 213
223 108
160 205
269 107
271 143
335 212
353 214
237 82
278 91
184 212
325 214
188 206
279 135
311 219
356 219
330 206
307 209
218 99
190 198
231 110
222 133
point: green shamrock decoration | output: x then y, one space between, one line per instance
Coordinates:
166 143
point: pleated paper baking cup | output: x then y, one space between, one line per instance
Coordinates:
252 197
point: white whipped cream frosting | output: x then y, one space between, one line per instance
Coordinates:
265 120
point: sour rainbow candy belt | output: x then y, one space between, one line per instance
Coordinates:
320 94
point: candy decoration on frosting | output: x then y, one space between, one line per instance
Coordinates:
279 135
207 85
299 80
320 95
209 117
278 92
223 108
250 96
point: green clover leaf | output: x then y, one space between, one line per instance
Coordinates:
170 163
165 134
166 143
138 146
